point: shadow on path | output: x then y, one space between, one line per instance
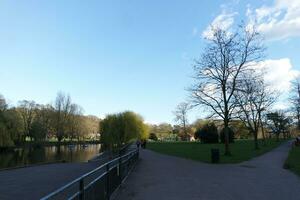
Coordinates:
159 176
38 181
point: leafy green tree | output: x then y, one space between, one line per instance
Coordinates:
27 111
43 121
14 124
152 136
231 135
208 133
119 129
278 123
10 125
163 130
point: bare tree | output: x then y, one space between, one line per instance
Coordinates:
181 116
253 98
218 70
75 121
62 110
3 105
295 101
27 112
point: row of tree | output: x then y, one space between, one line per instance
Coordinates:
35 122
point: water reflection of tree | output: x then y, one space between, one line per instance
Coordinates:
25 156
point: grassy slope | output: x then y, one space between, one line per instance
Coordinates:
241 150
293 161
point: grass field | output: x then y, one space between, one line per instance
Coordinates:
241 150
293 161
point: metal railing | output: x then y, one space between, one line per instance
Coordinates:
99 183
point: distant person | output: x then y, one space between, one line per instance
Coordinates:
138 143
144 142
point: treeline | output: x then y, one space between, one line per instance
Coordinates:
165 131
276 124
29 121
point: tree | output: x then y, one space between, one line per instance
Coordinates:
208 133
181 116
62 108
152 136
163 130
92 126
14 125
230 135
217 72
295 101
74 122
3 104
253 98
5 139
278 123
241 131
42 124
118 129
27 111
36 121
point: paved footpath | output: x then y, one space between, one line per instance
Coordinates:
35 182
164 177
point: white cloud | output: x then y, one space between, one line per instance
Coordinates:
279 73
278 21
224 21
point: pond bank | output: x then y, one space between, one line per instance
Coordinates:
47 143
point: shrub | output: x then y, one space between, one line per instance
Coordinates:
208 133
153 136
231 135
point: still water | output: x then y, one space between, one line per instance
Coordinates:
34 155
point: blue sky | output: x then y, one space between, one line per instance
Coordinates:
134 55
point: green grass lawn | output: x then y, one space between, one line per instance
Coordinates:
241 150
293 161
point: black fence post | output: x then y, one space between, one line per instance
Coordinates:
120 169
81 189
107 182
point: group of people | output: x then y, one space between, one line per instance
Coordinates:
141 143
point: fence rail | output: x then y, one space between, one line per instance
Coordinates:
99 183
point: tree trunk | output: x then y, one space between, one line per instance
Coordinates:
226 138
298 120
262 130
263 135
185 132
255 141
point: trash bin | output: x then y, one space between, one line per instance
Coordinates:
215 155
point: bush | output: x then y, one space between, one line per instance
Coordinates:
208 133
153 136
231 135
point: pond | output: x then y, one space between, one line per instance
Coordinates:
34 155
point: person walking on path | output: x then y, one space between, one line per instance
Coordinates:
138 143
